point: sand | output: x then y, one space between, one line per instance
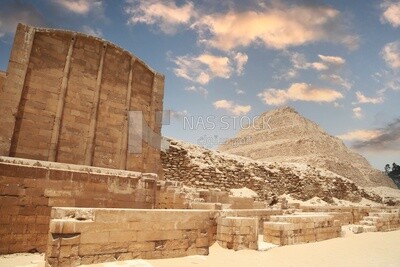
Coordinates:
364 250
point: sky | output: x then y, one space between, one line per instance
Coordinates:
226 62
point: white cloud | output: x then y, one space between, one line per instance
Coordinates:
391 13
362 99
240 92
360 135
391 54
200 90
299 61
231 107
202 68
92 31
318 66
81 7
389 78
332 60
12 13
299 92
277 26
165 14
358 113
337 79
240 60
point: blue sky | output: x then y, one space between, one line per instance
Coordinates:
336 62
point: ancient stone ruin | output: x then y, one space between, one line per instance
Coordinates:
84 181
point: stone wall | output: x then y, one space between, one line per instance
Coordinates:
84 236
28 190
357 213
383 221
237 233
300 228
66 99
202 168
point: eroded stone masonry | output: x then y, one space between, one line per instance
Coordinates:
70 187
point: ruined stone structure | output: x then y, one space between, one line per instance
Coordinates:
198 167
301 228
69 186
66 99
283 135
65 134
29 188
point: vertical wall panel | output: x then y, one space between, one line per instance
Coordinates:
112 110
35 119
79 101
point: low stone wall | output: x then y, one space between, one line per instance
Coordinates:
237 233
84 236
29 188
262 215
383 221
300 228
357 213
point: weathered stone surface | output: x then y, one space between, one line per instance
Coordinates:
66 99
283 135
108 236
29 188
219 172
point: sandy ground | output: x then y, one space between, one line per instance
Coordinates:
364 250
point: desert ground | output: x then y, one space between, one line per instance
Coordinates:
373 249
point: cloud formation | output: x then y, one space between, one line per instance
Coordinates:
362 99
12 13
391 54
81 7
337 79
201 90
232 107
360 135
358 113
391 13
240 60
299 92
203 68
276 26
388 139
299 61
165 14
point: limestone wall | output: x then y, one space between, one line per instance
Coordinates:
84 236
198 167
67 96
353 214
28 190
300 228
237 233
383 221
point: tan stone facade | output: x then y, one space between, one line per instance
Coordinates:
84 236
66 99
28 190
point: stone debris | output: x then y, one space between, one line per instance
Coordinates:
202 168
